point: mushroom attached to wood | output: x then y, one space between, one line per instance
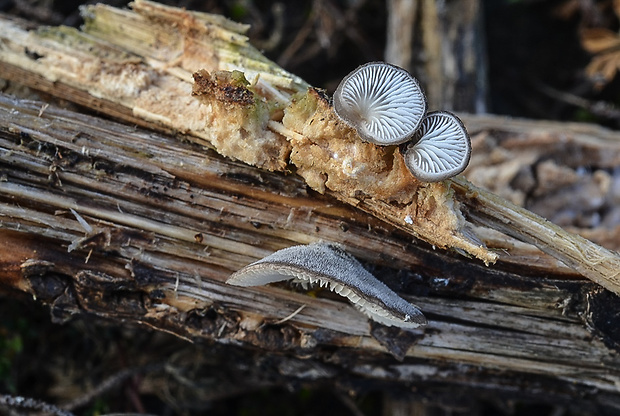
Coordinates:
440 149
383 102
328 265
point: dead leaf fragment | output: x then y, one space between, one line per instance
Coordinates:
605 45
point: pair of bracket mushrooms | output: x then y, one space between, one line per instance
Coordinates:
387 107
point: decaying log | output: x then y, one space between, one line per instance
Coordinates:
104 219
110 220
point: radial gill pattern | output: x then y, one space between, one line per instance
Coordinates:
440 149
384 103
328 265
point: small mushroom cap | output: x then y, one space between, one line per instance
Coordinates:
383 102
329 265
440 149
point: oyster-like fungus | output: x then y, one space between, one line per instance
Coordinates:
440 149
330 266
383 102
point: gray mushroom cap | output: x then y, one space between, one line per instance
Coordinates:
440 149
330 266
383 102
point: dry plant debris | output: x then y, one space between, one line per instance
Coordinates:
604 45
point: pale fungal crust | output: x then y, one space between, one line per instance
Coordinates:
440 149
328 265
329 155
383 102
235 119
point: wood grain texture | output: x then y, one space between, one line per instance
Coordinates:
107 219
168 222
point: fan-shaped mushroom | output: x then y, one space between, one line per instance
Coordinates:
330 266
440 149
383 102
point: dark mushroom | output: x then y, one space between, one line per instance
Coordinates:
330 266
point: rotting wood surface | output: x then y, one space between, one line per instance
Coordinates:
106 219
